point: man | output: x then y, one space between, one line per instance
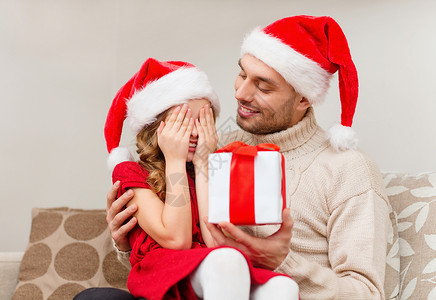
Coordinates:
335 244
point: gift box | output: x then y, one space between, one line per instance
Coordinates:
247 184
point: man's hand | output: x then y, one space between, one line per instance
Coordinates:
117 214
267 253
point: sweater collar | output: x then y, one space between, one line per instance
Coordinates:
305 133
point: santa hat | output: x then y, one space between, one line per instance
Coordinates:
307 51
156 87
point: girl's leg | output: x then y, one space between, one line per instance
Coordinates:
278 287
223 274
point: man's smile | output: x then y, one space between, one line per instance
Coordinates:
246 112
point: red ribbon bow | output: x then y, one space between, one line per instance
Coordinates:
241 148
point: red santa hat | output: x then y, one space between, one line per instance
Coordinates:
156 87
307 51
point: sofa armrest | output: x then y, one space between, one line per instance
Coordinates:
9 269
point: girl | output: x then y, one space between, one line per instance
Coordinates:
171 107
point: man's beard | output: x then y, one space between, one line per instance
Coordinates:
265 127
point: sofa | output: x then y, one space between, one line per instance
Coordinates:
71 249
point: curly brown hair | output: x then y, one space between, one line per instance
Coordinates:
151 157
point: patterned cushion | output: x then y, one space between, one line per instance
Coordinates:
413 199
69 250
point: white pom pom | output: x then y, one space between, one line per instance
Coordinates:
118 155
342 137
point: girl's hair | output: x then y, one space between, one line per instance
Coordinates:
151 157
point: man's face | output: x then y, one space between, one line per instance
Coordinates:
266 102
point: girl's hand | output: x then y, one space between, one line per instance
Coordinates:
173 134
207 136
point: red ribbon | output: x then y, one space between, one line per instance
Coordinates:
242 207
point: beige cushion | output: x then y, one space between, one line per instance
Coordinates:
413 199
69 250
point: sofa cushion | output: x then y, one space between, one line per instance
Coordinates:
413 199
68 250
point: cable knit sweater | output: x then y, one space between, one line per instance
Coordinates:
340 212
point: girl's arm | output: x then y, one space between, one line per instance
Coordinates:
207 141
201 187
169 223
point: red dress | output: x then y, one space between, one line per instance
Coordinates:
160 273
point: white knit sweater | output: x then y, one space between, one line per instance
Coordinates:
340 213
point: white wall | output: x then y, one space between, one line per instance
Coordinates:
61 63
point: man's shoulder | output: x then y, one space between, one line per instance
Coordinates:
348 159
353 167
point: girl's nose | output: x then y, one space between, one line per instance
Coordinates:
194 132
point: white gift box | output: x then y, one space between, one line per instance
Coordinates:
247 190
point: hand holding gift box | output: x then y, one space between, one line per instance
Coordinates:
247 184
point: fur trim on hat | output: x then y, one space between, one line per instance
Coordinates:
175 88
306 76
118 155
342 137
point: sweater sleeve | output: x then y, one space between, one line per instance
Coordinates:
357 234
123 256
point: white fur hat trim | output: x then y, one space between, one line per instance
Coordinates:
175 88
118 155
306 76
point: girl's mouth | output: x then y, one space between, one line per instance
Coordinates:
192 146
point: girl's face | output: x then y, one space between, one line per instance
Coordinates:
195 106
